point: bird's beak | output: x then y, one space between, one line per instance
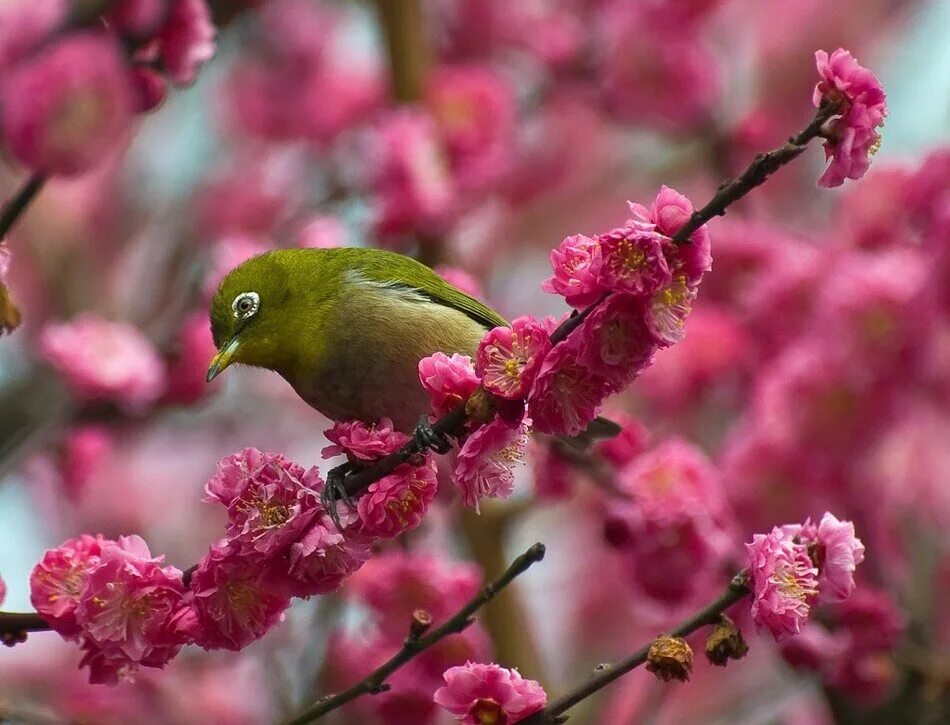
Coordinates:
221 361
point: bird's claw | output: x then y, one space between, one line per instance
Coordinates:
334 490
425 438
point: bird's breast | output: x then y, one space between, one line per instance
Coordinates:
375 337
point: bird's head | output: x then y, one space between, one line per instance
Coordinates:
253 313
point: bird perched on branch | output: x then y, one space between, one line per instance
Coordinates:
347 329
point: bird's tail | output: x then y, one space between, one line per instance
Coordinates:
599 429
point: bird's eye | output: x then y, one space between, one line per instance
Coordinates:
246 304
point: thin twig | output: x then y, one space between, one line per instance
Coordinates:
17 204
761 168
375 682
554 713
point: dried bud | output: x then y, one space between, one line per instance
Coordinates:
480 407
421 621
9 312
670 658
725 643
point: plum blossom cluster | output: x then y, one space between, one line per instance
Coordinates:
116 600
394 589
396 502
67 104
796 565
852 135
126 610
641 285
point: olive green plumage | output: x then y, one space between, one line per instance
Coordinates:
347 327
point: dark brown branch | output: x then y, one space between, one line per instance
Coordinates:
15 625
761 168
375 682
554 713
18 203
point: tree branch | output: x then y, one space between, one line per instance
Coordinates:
404 29
18 203
554 713
375 682
761 168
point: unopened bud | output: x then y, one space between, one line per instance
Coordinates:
480 407
670 658
725 643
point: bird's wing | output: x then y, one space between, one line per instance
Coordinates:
409 274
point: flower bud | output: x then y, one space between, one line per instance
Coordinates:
670 658
725 643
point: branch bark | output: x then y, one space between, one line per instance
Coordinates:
17 204
554 713
375 682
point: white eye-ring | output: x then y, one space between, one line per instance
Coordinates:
246 304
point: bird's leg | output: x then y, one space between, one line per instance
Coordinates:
425 438
334 490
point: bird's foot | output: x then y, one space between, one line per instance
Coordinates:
334 490
425 438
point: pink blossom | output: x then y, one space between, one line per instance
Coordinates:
616 344
462 280
361 442
103 360
322 232
484 466
396 583
448 380
633 261
186 42
3 590
270 500
852 135
566 395
85 449
630 443
65 109
784 583
232 602
56 583
669 78
473 108
412 182
669 212
25 23
188 366
668 309
577 263
476 693
838 552
323 557
129 610
509 357
396 503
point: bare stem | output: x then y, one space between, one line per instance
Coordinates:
554 713
17 204
375 682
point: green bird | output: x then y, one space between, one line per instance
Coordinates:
347 329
